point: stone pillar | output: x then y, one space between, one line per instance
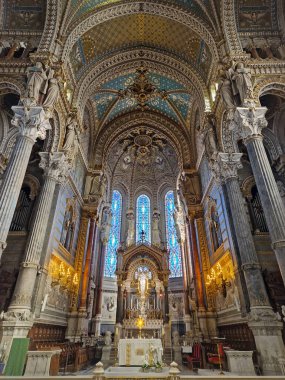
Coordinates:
196 263
252 120
55 166
87 266
262 320
73 333
32 124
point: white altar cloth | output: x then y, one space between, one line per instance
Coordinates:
133 351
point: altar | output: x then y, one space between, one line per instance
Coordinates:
134 352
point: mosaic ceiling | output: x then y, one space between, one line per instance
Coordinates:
200 8
167 97
24 15
140 30
255 16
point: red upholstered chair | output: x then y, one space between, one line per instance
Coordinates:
217 358
195 358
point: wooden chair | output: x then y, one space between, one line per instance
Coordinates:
217 358
196 356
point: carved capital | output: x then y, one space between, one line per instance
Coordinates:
55 165
229 163
31 121
252 120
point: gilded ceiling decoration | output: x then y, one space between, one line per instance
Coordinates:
24 15
140 30
142 90
254 16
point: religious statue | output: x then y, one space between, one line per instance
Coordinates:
36 77
241 81
52 93
131 228
106 224
108 338
236 85
155 229
210 137
225 89
153 355
70 134
176 338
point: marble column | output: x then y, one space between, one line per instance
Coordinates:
252 121
262 320
87 267
166 305
32 124
55 166
196 263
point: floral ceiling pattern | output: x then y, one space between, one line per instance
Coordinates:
171 100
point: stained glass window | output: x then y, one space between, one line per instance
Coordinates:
143 219
175 264
115 235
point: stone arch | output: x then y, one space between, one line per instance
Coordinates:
33 183
271 143
12 86
247 186
163 125
123 63
272 85
99 16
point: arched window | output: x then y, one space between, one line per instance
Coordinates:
23 211
115 235
175 264
143 232
256 212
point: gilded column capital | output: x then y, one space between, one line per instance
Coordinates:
251 122
31 121
55 165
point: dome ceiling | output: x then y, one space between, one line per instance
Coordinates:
139 31
142 90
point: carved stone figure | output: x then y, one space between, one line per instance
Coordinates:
52 93
225 88
106 225
131 228
241 82
36 77
175 338
70 134
210 142
156 240
108 338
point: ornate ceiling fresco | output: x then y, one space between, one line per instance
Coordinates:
138 31
24 15
145 91
144 158
255 16
200 8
